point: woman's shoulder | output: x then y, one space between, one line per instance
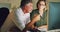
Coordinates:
34 11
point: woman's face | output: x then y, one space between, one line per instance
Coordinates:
41 5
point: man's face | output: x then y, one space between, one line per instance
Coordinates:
29 7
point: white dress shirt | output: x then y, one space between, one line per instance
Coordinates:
22 19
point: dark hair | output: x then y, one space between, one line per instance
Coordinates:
39 2
24 2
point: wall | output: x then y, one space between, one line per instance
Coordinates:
14 3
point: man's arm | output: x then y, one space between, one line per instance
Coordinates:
30 25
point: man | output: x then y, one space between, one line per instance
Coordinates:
23 14
20 17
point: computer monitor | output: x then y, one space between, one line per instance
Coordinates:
54 16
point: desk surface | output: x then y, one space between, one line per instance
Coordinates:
56 30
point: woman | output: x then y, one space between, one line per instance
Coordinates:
39 15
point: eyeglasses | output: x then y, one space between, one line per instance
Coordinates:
42 4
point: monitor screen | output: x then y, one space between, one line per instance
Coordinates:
54 16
